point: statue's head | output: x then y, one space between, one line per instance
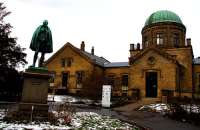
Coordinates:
45 22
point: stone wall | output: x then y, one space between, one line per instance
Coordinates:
79 63
166 71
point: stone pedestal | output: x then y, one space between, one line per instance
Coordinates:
35 88
35 92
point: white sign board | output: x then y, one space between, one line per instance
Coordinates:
106 93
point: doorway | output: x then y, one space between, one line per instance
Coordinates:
64 79
151 84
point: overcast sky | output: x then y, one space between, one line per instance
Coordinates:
108 25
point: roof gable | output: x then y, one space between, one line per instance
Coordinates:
159 51
89 57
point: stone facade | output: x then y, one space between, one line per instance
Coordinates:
70 61
116 74
196 78
162 65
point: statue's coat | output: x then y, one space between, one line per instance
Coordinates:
42 40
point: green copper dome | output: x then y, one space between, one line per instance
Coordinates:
163 16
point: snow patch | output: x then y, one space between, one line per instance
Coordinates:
160 107
83 120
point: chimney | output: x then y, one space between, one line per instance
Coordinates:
83 46
92 51
138 46
188 41
132 47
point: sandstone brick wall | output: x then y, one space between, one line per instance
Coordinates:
117 72
184 56
79 63
167 29
166 71
196 77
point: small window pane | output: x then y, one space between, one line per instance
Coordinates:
66 62
69 62
111 80
146 42
125 80
79 77
159 39
176 39
63 62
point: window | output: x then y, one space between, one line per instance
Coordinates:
52 76
146 42
79 77
199 81
176 39
69 62
111 81
66 62
159 39
62 62
65 78
125 82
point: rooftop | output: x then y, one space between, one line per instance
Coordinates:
116 64
163 16
196 61
98 60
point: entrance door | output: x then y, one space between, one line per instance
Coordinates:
64 79
151 84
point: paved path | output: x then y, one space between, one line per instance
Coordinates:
154 121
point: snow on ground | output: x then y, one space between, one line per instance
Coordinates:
32 126
69 99
82 120
95 121
61 98
191 108
159 107
2 114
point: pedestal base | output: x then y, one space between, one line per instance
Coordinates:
34 94
35 88
34 111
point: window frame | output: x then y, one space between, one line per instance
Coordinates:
79 77
146 42
111 80
160 39
66 62
124 81
176 39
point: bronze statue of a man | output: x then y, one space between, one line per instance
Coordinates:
41 42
